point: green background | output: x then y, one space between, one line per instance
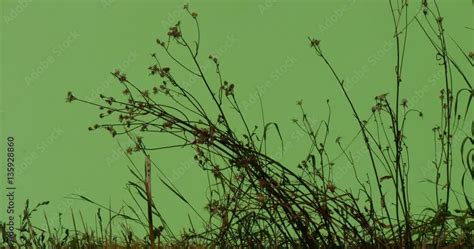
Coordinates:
51 47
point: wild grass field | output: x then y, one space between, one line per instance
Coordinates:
255 200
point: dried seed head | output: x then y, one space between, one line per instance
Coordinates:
228 89
404 103
70 97
110 100
220 119
112 131
262 182
216 171
174 32
381 97
139 139
164 71
160 42
153 69
315 43
122 78
331 187
194 14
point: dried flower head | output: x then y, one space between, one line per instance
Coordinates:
112 131
216 171
153 69
122 78
262 182
70 97
331 187
228 88
174 32
381 97
315 43
164 71
404 103
160 42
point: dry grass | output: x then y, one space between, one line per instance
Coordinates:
255 201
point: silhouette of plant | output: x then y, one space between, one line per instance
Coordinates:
254 200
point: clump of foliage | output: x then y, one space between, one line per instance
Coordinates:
255 201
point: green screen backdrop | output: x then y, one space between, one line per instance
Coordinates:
51 47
